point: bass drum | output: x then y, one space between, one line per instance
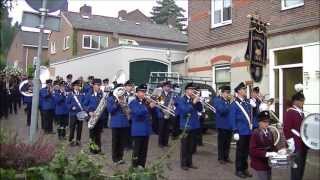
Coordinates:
310 131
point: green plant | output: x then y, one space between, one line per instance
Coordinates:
79 167
7 174
30 70
4 137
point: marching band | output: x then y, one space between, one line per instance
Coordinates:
132 113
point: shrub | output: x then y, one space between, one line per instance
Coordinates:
19 155
80 167
7 174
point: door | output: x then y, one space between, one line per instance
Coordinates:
140 70
291 76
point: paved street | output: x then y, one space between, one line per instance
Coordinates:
205 159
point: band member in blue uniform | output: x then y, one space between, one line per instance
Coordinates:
242 127
223 123
291 127
129 96
141 126
187 108
47 107
27 100
262 147
255 104
75 104
87 87
118 109
165 119
68 84
175 129
61 110
91 103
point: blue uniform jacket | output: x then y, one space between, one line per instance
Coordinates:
140 118
91 103
187 110
46 100
239 121
255 113
60 103
87 89
223 107
118 118
72 105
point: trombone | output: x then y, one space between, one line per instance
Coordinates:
204 101
163 108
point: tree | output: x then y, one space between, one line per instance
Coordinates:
7 31
167 12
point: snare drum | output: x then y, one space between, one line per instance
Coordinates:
281 161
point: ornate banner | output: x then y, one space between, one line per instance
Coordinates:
257 48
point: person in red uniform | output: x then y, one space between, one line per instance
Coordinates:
291 128
262 147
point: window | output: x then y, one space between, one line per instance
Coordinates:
222 75
127 42
66 42
53 47
94 42
220 12
288 4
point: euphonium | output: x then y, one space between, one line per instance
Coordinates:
101 107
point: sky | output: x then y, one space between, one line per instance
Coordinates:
99 7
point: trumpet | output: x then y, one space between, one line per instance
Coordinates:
157 102
204 101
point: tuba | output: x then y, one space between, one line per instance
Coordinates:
119 93
44 75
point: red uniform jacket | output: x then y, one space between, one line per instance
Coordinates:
293 120
260 144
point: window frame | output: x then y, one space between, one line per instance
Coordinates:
224 66
53 49
283 7
65 43
222 23
99 41
133 42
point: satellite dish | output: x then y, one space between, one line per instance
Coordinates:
52 5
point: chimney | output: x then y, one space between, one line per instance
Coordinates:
122 14
85 11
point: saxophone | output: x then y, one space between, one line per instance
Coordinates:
101 107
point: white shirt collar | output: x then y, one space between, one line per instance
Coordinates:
298 109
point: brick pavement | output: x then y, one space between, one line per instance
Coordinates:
205 158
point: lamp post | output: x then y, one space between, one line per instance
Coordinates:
168 55
36 80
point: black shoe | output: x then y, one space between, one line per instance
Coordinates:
222 162
228 161
247 173
78 143
240 174
193 167
72 143
185 168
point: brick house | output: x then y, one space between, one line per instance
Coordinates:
23 49
83 33
218 34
